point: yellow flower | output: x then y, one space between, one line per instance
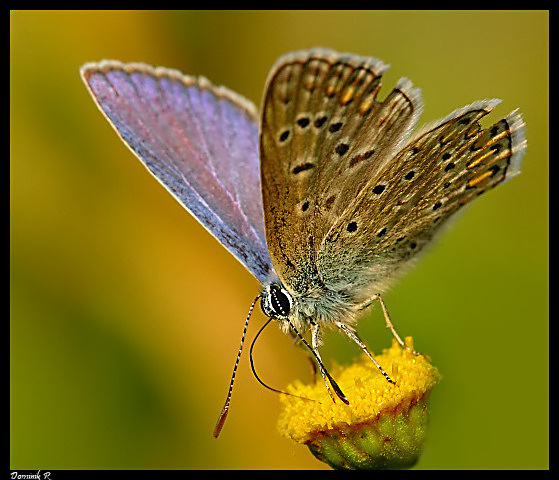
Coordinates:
383 426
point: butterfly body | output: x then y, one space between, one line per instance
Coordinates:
326 196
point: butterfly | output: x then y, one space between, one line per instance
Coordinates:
325 196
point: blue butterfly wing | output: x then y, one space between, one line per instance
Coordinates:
199 141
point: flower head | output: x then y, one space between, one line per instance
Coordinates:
383 426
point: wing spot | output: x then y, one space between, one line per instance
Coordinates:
284 136
496 148
342 149
329 202
303 167
334 127
494 170
359 158
320 121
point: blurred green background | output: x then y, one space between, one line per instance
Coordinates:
126 315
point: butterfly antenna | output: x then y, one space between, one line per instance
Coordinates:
225 409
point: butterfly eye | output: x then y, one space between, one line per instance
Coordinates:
276 302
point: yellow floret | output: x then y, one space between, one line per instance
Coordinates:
369 394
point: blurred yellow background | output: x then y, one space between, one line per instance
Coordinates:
126 315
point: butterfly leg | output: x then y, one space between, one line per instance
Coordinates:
353 336
315 340
367 303
390 326
389 323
